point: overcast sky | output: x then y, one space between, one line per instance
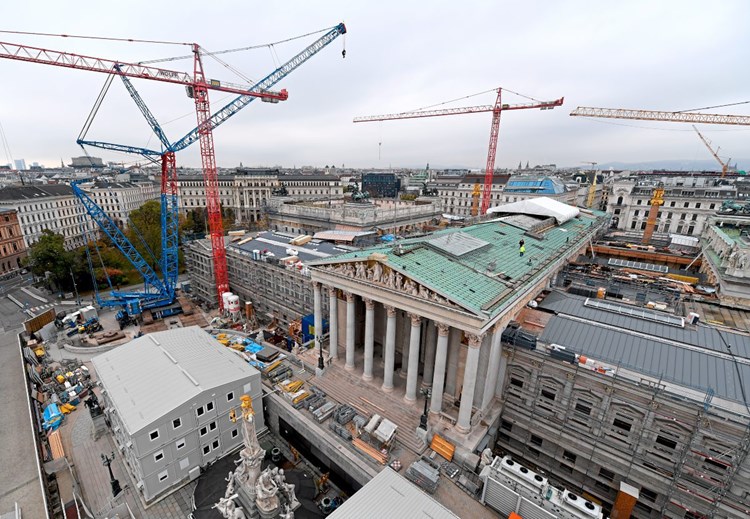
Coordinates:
666 55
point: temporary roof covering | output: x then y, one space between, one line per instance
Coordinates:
689 241
389 494
341 235
540 206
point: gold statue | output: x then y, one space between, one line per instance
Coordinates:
247 406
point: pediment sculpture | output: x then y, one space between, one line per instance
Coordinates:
388 277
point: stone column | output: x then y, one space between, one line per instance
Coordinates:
349 331
470 379
404 348
490 382
429 354
390 349
411 377
318 315
438 379
333 323
369 338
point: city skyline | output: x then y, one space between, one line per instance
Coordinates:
672 56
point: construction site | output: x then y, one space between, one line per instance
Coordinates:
535 360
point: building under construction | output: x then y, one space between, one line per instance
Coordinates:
617 396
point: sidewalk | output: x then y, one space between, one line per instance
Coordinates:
85 453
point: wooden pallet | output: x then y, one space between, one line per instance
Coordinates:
370 451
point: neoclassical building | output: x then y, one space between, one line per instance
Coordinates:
435 307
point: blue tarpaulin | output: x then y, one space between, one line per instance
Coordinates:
52 417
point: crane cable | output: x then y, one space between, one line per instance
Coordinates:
712 107
95 108
104 38
475 95
237 49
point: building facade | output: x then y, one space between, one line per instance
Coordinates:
12 246
387 216
437 306
268 270
119 199
381 185
726 249
246 191
312 186
168 396
627 414
688 201
52 207
456 191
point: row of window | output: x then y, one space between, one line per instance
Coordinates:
637 213
696 205
199 411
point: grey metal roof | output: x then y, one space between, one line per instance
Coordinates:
702 336
11 193
391 495
689 368
278 243
152 375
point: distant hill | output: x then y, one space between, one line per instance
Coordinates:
675 165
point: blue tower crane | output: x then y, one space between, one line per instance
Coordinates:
169 199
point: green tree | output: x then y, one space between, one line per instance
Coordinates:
144 232
49 255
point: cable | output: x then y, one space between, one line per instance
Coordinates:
105 38
593 119
712 107
736 367
238 49
474 95
95 108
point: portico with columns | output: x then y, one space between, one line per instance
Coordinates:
434 309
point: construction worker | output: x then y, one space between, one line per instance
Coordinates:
522 248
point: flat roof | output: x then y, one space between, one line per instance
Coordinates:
152 375
278 243
389 494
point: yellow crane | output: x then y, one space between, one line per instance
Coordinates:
724 165
592 187
657 199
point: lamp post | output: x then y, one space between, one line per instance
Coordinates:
107 461
426 392
321 364
75 287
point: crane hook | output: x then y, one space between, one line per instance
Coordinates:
343 53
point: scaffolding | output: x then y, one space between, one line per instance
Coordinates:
594 430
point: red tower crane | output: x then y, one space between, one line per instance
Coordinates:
197 87
496 110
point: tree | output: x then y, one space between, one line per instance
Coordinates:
144 232
49 255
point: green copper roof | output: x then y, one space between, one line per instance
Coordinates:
481 278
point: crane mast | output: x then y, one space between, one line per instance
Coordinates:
210 179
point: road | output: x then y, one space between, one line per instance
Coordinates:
33 299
